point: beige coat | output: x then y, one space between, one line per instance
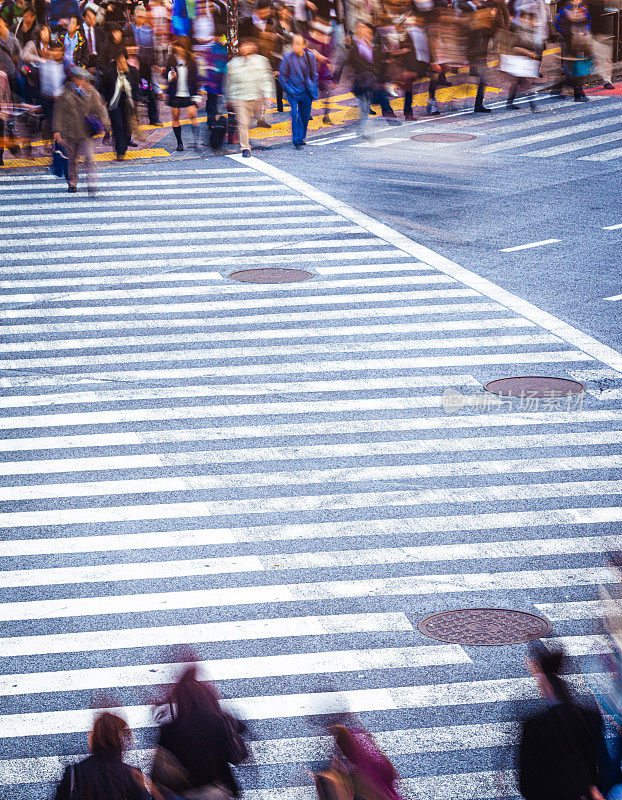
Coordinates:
71 108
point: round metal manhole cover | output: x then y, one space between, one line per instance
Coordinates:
535 386
443 137
484 626
271 275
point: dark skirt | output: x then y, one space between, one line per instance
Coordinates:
180 102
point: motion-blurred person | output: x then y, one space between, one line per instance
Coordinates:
249 84
104 775
146 44
96 40
181 72
27 29
9 54
601 46
75 46
479 32
319 41
522 60
285 27
197 747
562 753
51 80
120 90
78 102
299 78
5 105
261 28
12 11
572 22
372 775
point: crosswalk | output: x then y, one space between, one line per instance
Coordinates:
272 475
580 132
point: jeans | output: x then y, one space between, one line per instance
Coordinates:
301 113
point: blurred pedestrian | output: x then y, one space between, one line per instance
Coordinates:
96 40
27 29
249 85
5 105
181 72
286 27
120 90
299 78
104 775
10 52
144 38
74 110
74 45
562 753
198 745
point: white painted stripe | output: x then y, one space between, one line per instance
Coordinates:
562 612
155 230
607 394
614 298
381 142
153 217
235 352
330 530
12 190
307 503
503 125
121 278
613 227
233 389
604 155
42 177
126 252
300 750
315 663
288 706
321 451
346 269
281 317
199 483
345 427
103 210
236 630
332 140
308 428
545 136
230 263
578 144
580 645
122 340
528 246
577 338
317 559
291 368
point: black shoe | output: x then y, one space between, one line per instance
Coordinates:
246 153
372 113
582 99
132 143
511 107
481 110
262 123
106 138
408 115
298 146
179 147
326 120
72 189
92 191
443 82
608 85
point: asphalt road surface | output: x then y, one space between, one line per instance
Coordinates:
289 478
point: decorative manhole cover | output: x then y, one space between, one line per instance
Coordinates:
484 626
443 137
535 386
271 275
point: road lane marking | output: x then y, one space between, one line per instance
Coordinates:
528 246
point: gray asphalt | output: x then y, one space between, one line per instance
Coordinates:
419 476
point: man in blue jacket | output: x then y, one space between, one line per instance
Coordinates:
299 79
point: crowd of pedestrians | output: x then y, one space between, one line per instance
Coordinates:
55 53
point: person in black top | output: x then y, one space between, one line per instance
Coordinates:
103 775
562 753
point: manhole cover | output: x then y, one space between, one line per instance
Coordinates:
443 137
535 386
271 275
484 626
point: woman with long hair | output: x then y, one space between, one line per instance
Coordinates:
104 775
182 76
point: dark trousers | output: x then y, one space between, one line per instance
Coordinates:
379 97
279 94
144 73
120 133
47 106
301 113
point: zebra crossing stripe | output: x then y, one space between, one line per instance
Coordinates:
515 580
208 537
15 190
604 155
591 645
523 141
562 612
577 144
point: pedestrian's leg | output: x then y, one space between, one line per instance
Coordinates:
380 97
194 126
364 101
86 147
512 94
279 95
119 134
71 151
305 113
408 102
176 128
601 53
242 115
297 127
479 97
1 142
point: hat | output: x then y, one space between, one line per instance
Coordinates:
82 74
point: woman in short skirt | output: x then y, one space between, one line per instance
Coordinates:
181 70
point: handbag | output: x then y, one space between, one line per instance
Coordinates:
312 87
60 162
93 125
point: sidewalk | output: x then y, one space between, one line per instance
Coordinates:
159 142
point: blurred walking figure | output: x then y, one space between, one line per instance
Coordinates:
249 85
299 79
120 88
103 775
75 111
181 71
562 754
198 745
522 59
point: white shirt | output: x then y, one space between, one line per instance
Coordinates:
90 39
51 78
182 79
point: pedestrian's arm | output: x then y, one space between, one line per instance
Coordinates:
314 75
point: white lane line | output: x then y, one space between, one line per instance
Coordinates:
288 706
332 140
307 503
394 328
231 631
528 246
579 144
572 335
614 298
345 269
14 191
607 394
387 140
268 350
199 483
564 612
315 663
613 227
43 178
499 125
117 439
308 368
208 537
279 317
545 136
605 155
317 559
320 451
233 389
590 645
